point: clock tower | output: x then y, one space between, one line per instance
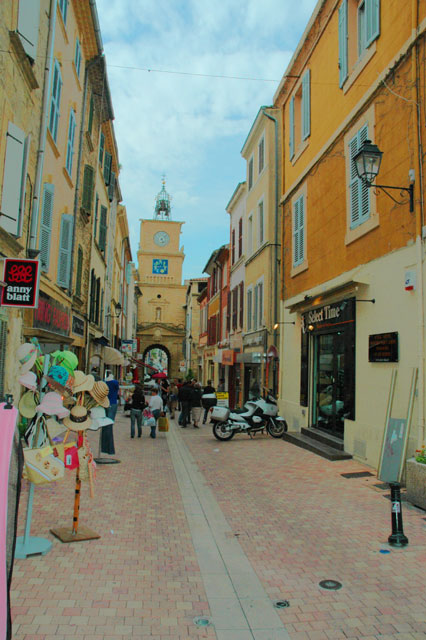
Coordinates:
161 316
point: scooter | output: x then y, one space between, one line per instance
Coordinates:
257 415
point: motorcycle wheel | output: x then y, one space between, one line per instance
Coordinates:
276 428
221 433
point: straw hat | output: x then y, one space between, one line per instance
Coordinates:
26 355
29 380
99 418
78 419
54 428
82 382
100 393
27 405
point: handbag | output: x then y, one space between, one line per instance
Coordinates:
163 423
41 464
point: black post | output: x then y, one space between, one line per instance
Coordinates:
397 538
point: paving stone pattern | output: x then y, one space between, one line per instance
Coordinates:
296 518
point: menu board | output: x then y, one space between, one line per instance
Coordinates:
383 347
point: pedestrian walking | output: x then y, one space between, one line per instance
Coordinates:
185 396
156 406
138 404
196 409
210 401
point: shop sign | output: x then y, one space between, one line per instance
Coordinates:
253 339
127 346
51 315
77 326
222 398
228 357
329 315
383 347
21 283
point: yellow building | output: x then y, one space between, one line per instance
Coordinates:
353 265
161 313
192 351
261 236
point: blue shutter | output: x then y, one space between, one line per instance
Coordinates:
65 246
364 191
306 105
70 142
298 232
359 192
77 57
372 11
343 42
291 128
46 224
15 171
55 101
28 21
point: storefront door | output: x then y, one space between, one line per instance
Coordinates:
329 383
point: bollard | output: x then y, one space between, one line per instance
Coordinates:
397 537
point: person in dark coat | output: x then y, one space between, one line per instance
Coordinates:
207 403
138 404
185 397
196 393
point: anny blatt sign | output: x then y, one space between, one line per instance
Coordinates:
21 283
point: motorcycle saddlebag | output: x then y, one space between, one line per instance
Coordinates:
219 414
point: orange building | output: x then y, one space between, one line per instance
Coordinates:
352 285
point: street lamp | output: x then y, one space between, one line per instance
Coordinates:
367 163
278 323
117 314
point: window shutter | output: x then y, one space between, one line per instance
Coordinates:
306 105
343 42
101 149
103 228
92 295
111 187
260 294
28 20
65 246
46 224
261 223
15 170
77 57
91 110
240 237
298 232
107 167
249 308
241 322
364 191
234 308
70 142
291 128
256 307
233 246
372 9
359 192
55 101
95 222
88 184
79 271
228 312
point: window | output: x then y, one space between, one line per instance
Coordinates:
79 271
234 308
101 149
103 228
46 224
70 142
77 57
233 246
249 308
95 222
261 155
250 236
300 115
14 180
258 306
28 23
359 192
65 245
250 173
241 295
261 223
88 186
359 26
240 237
63 5
107 167
55 101
299 231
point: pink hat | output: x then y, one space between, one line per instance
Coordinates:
29 380
26 355
52 405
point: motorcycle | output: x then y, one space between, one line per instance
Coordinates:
257 415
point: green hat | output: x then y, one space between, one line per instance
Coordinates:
27 405
66 359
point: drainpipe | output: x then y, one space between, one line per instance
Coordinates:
419 231
35 207
275 121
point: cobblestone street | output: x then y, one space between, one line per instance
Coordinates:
191 527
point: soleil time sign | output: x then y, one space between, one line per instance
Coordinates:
21 283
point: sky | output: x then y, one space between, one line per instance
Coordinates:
173 118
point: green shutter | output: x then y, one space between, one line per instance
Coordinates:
107 167
88 184
306 105
291 128
65 246
101 149
46 224
103 229
372 11
343 42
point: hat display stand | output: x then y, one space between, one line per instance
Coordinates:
100 459
28 545
77 533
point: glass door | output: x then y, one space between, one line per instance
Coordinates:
329 407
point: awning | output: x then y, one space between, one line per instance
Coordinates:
113 356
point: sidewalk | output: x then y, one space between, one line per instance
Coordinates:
191 527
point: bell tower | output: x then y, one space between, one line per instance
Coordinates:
161 316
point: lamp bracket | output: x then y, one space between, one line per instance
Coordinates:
384 188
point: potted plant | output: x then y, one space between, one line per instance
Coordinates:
416 478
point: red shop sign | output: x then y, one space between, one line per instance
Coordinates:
52 316
21 278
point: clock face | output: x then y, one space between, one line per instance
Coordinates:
161 238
